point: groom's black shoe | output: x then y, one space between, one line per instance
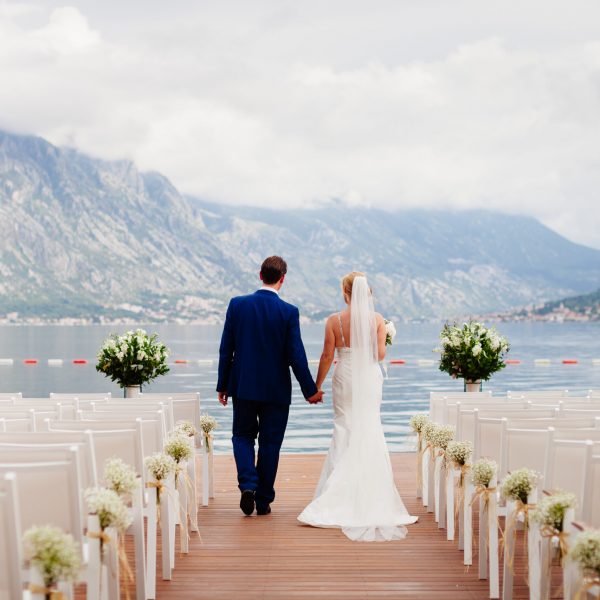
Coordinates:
247 502
263 511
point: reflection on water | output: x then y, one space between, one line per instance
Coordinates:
406 389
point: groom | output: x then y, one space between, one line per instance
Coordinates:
261 341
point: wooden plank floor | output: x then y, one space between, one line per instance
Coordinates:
275 558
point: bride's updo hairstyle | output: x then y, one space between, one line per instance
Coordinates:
347 282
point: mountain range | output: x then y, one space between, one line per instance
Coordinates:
84 238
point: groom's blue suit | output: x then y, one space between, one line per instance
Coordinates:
261 341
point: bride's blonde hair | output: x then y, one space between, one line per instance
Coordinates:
347 282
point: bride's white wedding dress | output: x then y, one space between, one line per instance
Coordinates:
356 491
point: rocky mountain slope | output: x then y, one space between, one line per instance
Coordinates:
86 238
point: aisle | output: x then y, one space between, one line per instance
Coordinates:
275 558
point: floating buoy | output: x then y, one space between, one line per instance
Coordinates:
55 362
569 361
397 361
595 361
181 361
6 361
205 361
542 361
314 361
31 361
513 361
425 362
79 361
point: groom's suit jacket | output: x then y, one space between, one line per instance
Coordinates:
261 341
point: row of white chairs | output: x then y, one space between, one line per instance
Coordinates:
562 443
44 470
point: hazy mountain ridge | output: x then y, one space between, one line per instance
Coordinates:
82 237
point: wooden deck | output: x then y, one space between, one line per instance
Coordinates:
275 558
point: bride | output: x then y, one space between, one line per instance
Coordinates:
356 491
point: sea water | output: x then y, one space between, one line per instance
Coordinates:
405 391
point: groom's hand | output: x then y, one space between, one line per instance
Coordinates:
223 398
318 397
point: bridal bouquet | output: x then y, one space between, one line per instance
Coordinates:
133 359
473 351
390 332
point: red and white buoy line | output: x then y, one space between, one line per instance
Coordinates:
207 362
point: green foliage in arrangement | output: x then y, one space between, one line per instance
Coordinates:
473 351
134 358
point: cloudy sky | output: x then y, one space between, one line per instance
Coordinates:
395 103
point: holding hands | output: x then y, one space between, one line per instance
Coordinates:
317 398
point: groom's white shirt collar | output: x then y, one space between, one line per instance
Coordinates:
270 289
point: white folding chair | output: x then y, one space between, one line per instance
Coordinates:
590 503
524 448
49 492
126 444
11 586
82 396
82 439
531 394
437 400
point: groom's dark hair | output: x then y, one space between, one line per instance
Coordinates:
273 269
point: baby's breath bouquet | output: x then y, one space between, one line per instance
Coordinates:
441 436
519 484
133 359
109 507
186 427
119 477
459 453
472 352
53 553
160 465
586 554
390 332
178 446
208 425
417 422
549 512
483 472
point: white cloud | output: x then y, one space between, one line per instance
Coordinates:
398 104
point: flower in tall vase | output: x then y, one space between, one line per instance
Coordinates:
472 352
132 360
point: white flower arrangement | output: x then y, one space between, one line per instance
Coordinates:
550 510
54 553
132 359
119 477
390 332
428 429
586 551
186 427
459 453
483 472
109 507
473 351
441 436
160 465
417 422
208 423
519 484
178 446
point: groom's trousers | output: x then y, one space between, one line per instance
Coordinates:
267 421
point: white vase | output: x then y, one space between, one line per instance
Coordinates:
131 391
472 386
